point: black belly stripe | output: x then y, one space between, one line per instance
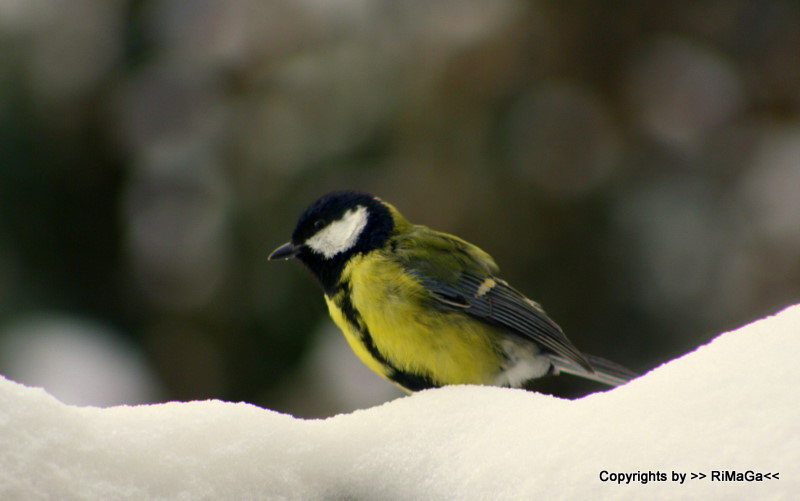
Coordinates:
354 317
412 382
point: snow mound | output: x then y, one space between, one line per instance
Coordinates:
727 413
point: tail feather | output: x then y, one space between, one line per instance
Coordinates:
605 371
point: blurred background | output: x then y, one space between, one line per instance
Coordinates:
633 166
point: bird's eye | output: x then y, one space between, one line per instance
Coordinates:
318 224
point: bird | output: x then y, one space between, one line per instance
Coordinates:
426 309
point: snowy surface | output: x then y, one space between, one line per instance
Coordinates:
731 405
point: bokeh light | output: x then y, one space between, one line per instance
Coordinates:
634 167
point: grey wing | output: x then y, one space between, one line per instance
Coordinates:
493 301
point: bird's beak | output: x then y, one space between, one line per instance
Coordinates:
285 251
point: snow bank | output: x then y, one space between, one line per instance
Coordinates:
730 407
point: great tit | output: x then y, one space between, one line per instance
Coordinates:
426 309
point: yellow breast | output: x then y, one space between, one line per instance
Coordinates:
449 348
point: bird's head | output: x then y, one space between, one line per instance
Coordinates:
336 227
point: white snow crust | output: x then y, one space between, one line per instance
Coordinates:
732 405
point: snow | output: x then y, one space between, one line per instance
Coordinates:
733 404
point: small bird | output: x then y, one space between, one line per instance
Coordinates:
425 309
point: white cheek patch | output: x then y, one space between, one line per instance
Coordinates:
340 235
